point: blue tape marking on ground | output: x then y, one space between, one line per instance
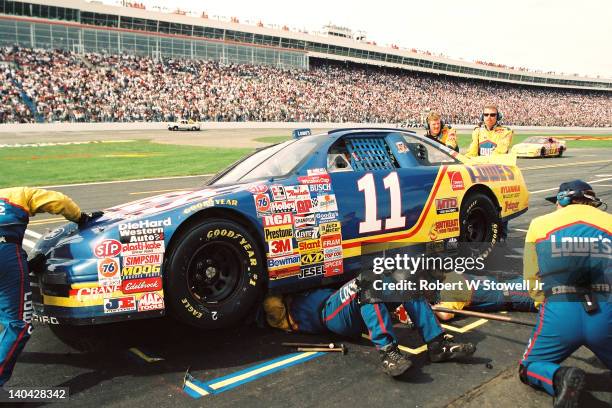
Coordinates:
206 386
263 374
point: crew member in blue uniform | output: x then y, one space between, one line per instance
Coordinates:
17 205
569 252
340 312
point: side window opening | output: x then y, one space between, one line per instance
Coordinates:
370 153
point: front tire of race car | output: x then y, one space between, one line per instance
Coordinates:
480 225
561 150
214 275
543 152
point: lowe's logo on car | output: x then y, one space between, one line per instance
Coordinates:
297 192
446 205
282 207
142 248
305 220
277 219
283 262
311 258
327 202
120 304
150 301
306 233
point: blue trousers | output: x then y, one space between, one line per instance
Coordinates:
344 315
562 328
494 300
15 307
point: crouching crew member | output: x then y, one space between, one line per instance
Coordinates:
17 205
569 252
440 132
340 311
490 138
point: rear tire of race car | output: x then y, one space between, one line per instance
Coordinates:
175 128
214 275
543 152
194 128
561 150
480 225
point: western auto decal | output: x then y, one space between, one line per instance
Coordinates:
148 230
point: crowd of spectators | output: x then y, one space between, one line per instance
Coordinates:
65 86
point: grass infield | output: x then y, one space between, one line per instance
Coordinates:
38 166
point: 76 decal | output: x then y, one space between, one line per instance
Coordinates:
371 222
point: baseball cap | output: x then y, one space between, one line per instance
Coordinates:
574 187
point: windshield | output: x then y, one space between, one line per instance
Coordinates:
274 161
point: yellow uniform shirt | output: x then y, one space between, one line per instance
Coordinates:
487 142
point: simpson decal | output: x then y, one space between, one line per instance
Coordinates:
143 259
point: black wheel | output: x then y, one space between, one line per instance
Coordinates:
543 152
214 275
194 128
480 225
175 128
561 150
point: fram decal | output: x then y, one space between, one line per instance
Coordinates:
446 205
107 248
329 241
277 219
456 180
280 247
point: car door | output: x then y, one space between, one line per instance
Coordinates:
381 196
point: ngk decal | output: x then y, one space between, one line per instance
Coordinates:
107 248
143 248
109 271
133 260
446 205
279 247
278 192
297 192
150 301
141 285
277 219
120 304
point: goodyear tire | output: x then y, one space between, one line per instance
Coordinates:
480 225
214 275
561 150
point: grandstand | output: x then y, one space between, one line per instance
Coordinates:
69 60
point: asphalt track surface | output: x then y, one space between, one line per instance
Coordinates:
118 377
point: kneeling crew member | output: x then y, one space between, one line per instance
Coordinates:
440 132
340 312
569 252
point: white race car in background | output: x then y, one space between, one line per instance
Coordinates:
540 146
184 124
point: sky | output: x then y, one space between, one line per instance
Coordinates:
568 36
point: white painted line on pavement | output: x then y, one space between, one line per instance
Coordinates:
556 188
28 244
125 181
519 229
603 175
33 234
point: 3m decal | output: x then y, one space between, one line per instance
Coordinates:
279 247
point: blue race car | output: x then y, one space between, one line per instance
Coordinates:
288 217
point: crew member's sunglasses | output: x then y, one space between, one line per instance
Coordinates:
494 115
